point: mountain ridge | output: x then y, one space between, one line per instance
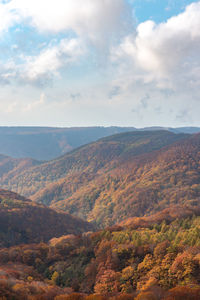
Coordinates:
155 176
45 143
91 158
124 175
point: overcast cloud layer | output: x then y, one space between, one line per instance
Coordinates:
92 62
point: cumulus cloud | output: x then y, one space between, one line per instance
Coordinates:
93 19
163 51
41 69
153 72
95 22
46 65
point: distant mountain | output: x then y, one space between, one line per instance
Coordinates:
45 143
189 130
23 221
108 180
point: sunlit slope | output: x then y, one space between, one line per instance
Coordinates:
154 257
83 164
138 185
10 167
121 176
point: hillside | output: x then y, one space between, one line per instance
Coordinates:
82 164
168 215
10 167
135 185
94 180
190 130
23 221
158 262
45 143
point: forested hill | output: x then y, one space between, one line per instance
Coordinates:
135 185
83 164
111 179
23 221
167 215
45 143
158 261
10 167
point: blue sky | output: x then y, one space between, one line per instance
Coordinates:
158 10
99 62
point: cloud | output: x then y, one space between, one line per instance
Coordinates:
35 104
184 116
142 106
90 22
7 71
92 19
7 17
19 106
75 96
115 91
11 107
153 76
167 52
43 67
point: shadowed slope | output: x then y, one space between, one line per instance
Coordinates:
23 221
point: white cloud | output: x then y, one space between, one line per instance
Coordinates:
166 52
42 68
156 69
35 104
10 108
93 19
7 71
7 17
49 61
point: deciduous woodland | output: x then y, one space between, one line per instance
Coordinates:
122 221
158 261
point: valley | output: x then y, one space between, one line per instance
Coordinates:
121 176
115 218
25 222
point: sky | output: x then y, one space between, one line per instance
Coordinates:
99 63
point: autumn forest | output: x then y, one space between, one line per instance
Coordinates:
118 219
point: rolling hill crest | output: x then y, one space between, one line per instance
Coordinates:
124 175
